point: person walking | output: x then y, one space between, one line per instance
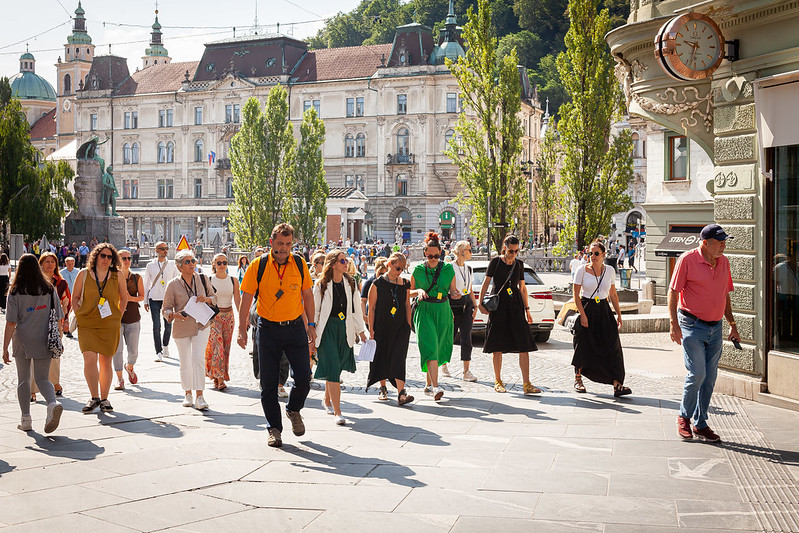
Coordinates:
191 337
83 251
100 295
508 326
598 353
49 265
5 276
283 284
69 272
390 327
317 264
381 266
338 321
30 300
432 281
131 322
217 351
157 274
464 307
244 262
631 256
699 295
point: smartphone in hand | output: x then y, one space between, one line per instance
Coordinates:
737 344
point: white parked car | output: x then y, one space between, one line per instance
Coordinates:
539 297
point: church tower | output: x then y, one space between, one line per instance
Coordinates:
155 54
72 74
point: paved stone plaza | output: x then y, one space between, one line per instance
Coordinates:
477 461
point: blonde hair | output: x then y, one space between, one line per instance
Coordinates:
351 270
381 265
460 246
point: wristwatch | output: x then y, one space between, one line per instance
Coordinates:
311 324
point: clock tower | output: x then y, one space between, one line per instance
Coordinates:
72 72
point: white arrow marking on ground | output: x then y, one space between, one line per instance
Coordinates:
700 472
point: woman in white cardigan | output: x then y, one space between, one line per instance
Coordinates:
338 323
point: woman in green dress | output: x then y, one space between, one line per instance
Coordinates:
432 282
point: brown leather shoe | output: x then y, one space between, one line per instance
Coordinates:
274 438
297 425
684 428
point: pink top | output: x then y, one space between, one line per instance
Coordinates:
703 289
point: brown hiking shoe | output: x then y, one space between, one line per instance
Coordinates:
297 426
684 428
274 438
707 434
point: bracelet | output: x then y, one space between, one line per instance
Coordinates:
311 324
731 322
526 308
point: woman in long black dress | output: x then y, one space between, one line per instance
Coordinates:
508 327
597 347
390 327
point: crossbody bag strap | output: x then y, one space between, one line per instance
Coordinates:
510 275
160 273
435 276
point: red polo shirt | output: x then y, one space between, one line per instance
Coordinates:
703 289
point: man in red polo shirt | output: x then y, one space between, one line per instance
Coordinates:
699 295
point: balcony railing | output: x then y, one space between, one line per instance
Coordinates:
223 163
400 159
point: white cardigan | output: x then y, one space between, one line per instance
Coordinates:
323 306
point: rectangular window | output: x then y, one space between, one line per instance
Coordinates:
359 107
236 113
452 103
93 121
130 188
165 189
402 104
198 188
127 120
134 120
677 161
349 180
229 188
317 104
360 182
169 115
306 105
402 185
198 116
350 107
161 118
232 113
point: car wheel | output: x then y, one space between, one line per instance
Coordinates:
542 336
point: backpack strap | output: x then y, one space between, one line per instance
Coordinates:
300 263
261 269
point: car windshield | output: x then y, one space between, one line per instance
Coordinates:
530 277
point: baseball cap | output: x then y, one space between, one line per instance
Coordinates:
714 231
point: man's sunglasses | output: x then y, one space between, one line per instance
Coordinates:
434 256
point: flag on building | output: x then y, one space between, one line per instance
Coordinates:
211 158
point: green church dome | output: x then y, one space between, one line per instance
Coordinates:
30 86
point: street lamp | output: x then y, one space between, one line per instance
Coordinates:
527 170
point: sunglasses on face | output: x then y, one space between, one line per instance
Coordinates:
595 253
343 261
106 256
397 268
510 251
162 249
434 256
124 258
189 261
220 263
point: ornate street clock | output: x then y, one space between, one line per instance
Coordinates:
689 47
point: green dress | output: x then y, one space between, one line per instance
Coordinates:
433 317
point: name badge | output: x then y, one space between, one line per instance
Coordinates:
597 299
439 296
465 291
342 316
510 291
163 282
105 309
393 311
101 301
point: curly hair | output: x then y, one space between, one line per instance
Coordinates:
327 270
91 262
431 240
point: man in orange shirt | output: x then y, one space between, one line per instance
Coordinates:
701 285
284 292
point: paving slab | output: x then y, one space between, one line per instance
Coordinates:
70 523
252 521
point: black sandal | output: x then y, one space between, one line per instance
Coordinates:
403 398
621 390
578 384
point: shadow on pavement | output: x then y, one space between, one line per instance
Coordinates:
392 430
788 458
59 446
5 468
239 420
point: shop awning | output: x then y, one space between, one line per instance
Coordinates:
677 242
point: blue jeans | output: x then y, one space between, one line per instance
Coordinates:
273 341
701 345
155 312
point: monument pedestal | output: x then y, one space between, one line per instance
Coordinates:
89 219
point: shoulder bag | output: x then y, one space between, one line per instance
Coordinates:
415 302
73 316
54 344
491 301
214 307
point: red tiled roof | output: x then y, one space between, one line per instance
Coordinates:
342 63
44 127
157 79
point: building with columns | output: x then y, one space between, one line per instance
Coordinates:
724 81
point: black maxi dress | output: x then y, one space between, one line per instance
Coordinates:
392 332
508 330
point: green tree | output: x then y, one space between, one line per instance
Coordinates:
488 154
311 189
40 209
547 80
547 187
528 45
596 166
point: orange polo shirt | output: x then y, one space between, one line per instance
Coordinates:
276 278
703 289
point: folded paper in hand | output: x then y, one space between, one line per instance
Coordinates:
367 351
198 311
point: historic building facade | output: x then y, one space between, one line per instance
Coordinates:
388 112
725 78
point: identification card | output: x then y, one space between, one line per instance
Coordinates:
510 291
278 294
393 311
105 309
597 299
342 316
163 282
465 291
101 301
439 296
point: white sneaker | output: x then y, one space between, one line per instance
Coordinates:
468 376
281 392
200 404
329 409
445 371
428 390
159 357
26 423
438 393
166 351
340 420
188 401
54 411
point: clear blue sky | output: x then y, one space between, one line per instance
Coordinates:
125 25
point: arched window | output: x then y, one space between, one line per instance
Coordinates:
403 146
198 150
360 145
161 152
126 154
448 136
402 228
67 84
349 146
170 152
134 154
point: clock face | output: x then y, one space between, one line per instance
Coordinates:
689 47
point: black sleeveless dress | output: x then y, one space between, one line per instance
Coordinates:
392 332
508 330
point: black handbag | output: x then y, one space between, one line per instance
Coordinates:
491 301
214 307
